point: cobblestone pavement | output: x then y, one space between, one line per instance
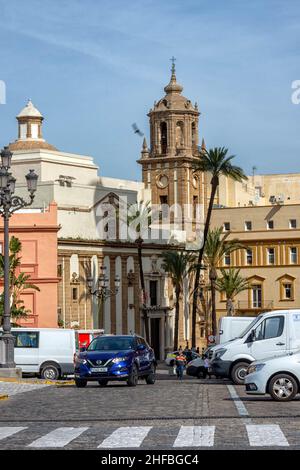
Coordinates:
12 388
212 415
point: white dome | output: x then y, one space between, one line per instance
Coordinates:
29 111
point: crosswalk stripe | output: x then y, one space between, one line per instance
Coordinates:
7 431
59 437
195 436
259 435
126 437
263 435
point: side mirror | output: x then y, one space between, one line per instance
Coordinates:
252 336
141 347
83 349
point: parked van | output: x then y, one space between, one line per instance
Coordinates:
231 328
49 352
270 334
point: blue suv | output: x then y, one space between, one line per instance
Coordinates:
115 357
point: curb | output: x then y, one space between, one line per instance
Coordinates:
37 381
64 384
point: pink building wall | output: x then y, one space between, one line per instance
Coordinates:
38 235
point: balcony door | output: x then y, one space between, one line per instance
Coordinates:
256 292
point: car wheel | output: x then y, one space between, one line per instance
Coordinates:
283 387
133 377
50 372
103 382
150 378
80 383
239 372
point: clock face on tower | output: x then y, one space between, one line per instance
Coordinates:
162 181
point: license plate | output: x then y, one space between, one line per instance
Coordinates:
98 369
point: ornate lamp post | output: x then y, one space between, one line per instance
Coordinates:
101 290
10 203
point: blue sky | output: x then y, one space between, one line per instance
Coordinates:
95 67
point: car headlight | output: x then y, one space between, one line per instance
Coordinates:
116 360
254 368
220 353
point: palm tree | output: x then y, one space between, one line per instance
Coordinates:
216 162
17 282
231 283
217 246
138 220
178 264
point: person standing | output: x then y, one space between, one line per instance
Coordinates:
207 366
180 365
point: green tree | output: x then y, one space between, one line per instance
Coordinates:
231 284
216 162
216 247
178 264
18 283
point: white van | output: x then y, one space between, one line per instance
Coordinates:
46 352
231 327
270 334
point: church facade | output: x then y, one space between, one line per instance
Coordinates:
168 179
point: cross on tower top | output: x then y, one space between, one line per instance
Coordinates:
173 64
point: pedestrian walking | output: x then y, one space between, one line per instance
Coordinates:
180 365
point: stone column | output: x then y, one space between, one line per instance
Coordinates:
124 295
137 297
112 260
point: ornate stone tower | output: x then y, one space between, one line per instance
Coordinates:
168 165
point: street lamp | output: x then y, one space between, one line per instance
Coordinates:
8 205
101 290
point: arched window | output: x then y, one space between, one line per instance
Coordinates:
163 137
179 134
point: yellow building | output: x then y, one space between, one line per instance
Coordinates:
270 260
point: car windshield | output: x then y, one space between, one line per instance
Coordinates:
111 343
249 327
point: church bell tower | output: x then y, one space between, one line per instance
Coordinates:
167 165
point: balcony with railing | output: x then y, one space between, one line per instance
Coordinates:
258 306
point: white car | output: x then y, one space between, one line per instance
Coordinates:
277 376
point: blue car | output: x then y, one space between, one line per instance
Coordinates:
115 357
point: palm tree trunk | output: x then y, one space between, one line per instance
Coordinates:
176 327
213 278
230 307
139 242
214 186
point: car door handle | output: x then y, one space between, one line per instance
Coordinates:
280 344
